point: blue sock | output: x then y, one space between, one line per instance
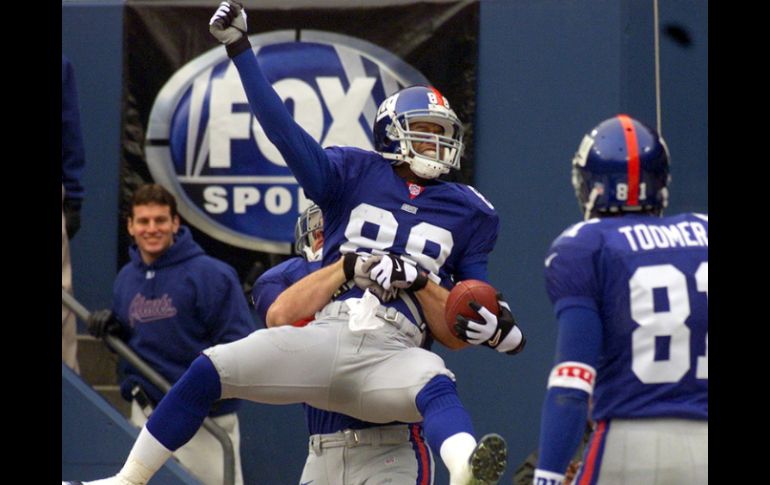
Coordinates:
181 412
443 413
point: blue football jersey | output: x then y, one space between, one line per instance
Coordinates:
445 228
647 277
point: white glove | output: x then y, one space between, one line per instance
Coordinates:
499 332
393 272
354 265
228 24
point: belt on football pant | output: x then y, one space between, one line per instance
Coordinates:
351 438
402 295
337 309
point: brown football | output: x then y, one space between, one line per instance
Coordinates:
464 292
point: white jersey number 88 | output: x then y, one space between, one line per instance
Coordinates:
387 226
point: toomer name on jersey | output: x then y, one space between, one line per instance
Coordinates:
642 237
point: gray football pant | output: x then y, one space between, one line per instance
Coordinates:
372 375
663 451
368 456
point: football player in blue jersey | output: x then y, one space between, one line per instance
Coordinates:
341 448
630 293
402 236
308 245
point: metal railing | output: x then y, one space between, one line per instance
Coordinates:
126 353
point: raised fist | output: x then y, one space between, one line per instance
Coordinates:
228 24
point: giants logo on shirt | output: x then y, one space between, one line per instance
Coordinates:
143 310
205 146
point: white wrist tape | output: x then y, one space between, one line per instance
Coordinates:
574 375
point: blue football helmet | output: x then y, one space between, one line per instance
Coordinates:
621 166
394 137
305 235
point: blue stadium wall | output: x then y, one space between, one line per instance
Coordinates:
549 71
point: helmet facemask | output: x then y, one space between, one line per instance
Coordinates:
396 139
448 147
308 223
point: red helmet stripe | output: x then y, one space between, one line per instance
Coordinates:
632 147
439 96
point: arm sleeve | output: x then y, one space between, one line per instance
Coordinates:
565 410
476 257
304 156
72 152
474 270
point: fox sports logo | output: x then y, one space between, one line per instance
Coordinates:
205 146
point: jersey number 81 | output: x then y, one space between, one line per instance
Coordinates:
670 323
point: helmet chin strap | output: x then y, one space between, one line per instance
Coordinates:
426 169
311 255
590 203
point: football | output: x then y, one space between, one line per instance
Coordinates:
464 292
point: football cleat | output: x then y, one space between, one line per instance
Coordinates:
488 460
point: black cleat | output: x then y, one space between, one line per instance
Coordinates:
488 460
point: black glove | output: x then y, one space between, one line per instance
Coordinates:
393 272
498 332
103 322
71 209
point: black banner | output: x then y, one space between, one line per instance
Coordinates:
172 73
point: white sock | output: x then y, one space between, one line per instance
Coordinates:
455 452
146 458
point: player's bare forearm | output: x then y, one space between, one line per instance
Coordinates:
433 300
306 296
